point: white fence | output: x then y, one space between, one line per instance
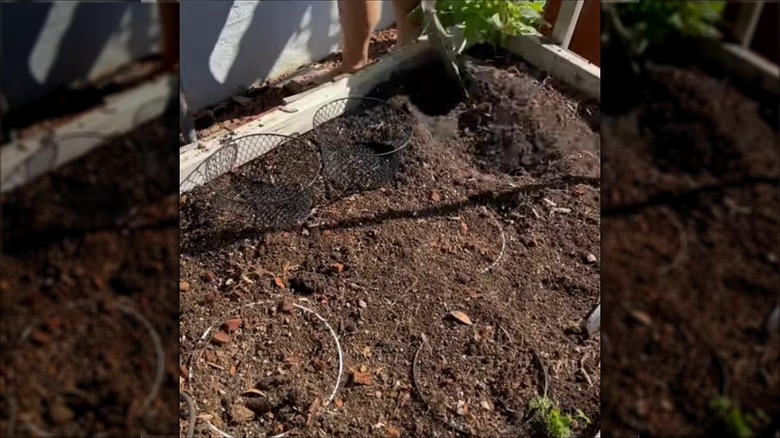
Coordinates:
229 45
48 45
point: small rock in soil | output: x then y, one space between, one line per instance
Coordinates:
306 283
59 413
393 432
286 307
486 405
462 278
590 258
232 325
241 414
362 304
337 268
220 338
184 286
462 408
435 197
40 337
267 383
364 379
208 276
259 405
279 283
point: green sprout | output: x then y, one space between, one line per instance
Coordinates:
736 423
552 420
490 21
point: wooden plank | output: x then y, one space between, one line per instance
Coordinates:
116 116
296 117
747 21
744 64
566 22
568 67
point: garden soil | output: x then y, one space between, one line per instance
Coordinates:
455 294
87 295
690 257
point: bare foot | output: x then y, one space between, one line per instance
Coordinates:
335 74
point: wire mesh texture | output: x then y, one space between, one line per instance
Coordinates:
361 140
164 109
38 163
104 184
273 189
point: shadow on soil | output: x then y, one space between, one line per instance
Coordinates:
499 200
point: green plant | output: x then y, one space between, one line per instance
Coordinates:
489 21
736 423
555 423
652 22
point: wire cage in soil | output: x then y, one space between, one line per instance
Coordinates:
94 187
37 164
165 109
275 190
361 141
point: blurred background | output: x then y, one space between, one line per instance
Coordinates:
88 182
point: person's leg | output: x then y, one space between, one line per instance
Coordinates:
358 20
408 29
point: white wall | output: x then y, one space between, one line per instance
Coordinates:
50 44
228 45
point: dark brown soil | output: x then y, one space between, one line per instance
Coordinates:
230 114
387 268
88 290
690 257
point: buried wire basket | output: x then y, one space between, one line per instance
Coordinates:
361 140
263 180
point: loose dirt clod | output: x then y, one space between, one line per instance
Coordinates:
362 379
286 307
241 414
232 325
220 338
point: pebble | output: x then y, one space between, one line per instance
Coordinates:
220 338
241 414
209 276
60 413
362 304
184 286
590 258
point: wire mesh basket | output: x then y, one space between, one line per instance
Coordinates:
361 140
165 109
110 182
274 190
38 163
